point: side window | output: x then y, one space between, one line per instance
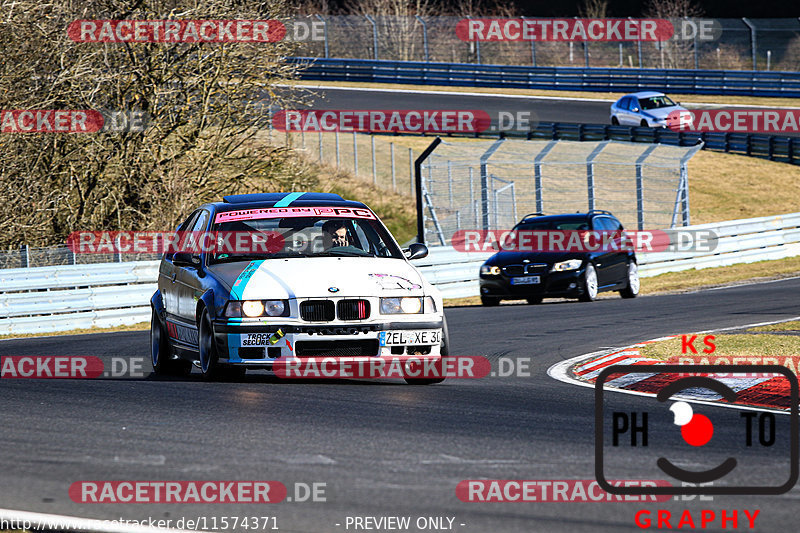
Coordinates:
613 224
599 223
200 223
626 103
188 223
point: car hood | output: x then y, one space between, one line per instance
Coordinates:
514 258
662 112
318 277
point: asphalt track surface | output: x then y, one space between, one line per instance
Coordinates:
382 448
541 110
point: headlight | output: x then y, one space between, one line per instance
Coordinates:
233 309
252 308
256 308
572 264
490 270
394 306
275 307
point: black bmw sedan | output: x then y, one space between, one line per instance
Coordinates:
565 272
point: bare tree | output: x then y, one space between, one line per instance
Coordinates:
594 9
204 103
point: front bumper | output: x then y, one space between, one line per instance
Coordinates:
254 344
567 284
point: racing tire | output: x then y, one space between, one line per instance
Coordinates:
632 290
488 301
614 121
444 350
644 124
589 284
161 352
207 348
534 301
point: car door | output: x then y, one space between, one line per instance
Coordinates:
168 273
617 261
603 259
188 280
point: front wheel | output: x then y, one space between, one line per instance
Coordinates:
644 124
632 290
209 359
614 121
161 352
589 284
445 351
535 300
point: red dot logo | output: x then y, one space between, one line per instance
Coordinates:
696 430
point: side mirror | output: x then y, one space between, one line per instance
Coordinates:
416 250
185 259
635 109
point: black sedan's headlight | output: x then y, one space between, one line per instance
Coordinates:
256 308
490 270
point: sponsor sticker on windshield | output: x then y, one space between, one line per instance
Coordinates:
292 212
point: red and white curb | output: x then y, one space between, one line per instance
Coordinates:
758 393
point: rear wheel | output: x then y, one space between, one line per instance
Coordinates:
632 290
589 284
161 352
644 124
535 301
445 351
488 301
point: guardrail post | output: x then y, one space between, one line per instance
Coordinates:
590 171
586 54
417 180
336 135
374 166
325 30
790 151
640 186
752 41
355 154
394 178
411 170
24 256
485 183
771 148
374 35
537 174
450 183
424 36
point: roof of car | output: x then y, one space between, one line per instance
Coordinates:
284 199
579 215
646 94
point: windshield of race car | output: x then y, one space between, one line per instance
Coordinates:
309 237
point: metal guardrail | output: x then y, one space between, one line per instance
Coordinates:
38 300
676 81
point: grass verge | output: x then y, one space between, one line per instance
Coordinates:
730 347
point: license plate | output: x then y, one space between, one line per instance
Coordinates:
410 337
256 339
526 280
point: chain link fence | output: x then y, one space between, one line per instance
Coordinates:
493 184
742 44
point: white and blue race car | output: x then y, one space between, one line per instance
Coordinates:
324 279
